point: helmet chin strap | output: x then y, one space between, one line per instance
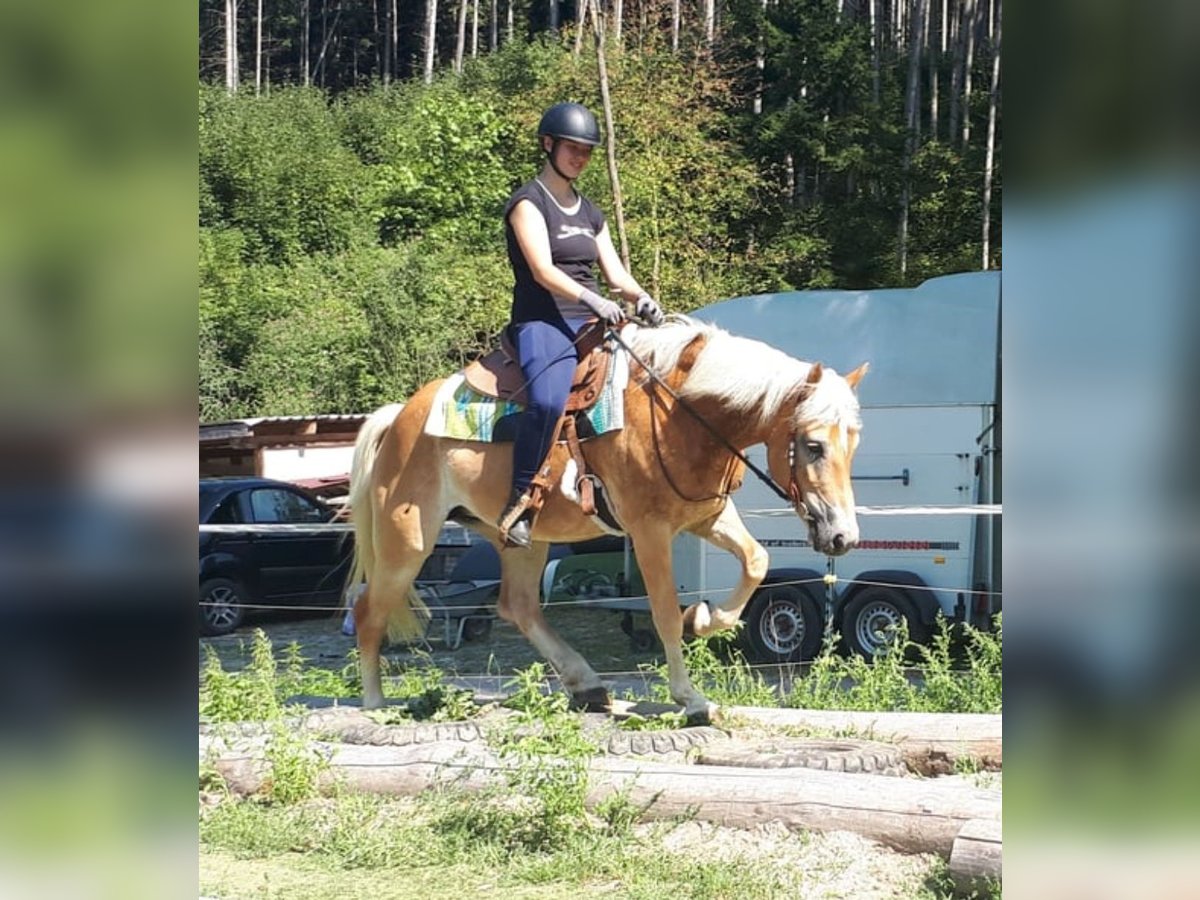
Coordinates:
553 164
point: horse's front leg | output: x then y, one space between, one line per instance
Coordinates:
520 577
653 550
725 530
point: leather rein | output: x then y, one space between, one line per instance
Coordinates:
790 494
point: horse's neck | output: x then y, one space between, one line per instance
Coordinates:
738 429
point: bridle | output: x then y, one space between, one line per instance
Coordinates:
792 493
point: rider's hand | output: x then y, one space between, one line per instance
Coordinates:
648 310
607 310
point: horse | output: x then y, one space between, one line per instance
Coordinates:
694 394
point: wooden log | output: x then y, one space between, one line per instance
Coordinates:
945 736
909 814
913 815
977 854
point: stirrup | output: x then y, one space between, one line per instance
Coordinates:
515 530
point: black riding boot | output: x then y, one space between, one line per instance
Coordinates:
514 525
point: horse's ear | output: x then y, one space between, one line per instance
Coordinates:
856 376
815 371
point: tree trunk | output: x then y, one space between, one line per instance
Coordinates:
675 15
874 51
580 26
989 160
328 37
430 38
231 54
969 25
462 36
509 22
911 117
494 27
395 36
956 69
977 855
934 60
258 55
474 28
760 59
908 814
710 22
618 20
305 28
610 145
553 9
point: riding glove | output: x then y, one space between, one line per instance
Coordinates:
607 310
648 310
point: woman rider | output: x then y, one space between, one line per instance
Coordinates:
555 237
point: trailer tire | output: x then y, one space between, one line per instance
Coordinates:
873 612
782 624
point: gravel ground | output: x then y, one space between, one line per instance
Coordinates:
483 665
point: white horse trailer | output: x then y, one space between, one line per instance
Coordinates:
931 439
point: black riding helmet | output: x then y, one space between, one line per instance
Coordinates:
571 121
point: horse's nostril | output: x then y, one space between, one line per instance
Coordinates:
839 542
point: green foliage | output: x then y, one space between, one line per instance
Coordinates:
429 695
275 167
435 159
720 671
351 245
246 696
296 766
939 683
548 751
257 694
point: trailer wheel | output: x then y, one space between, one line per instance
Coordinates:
872 619
782 625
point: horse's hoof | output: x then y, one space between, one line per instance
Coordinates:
595 700
693 720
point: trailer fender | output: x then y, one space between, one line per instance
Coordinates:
927 605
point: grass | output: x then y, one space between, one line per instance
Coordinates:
432 847
884 683
533 837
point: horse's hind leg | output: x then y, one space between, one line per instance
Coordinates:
405 534
521 573
726 531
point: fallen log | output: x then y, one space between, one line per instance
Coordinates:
922 737
913 815
977 854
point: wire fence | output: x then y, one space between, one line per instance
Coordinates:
447 603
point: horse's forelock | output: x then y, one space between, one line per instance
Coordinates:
831 401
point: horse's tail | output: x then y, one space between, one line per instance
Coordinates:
408 621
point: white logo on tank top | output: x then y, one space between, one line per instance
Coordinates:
570 231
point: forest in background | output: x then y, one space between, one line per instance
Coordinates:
355 156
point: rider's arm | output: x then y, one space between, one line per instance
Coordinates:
615 275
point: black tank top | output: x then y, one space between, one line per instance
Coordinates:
572 248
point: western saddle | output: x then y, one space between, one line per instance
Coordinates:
498 374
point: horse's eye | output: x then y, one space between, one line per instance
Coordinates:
815 450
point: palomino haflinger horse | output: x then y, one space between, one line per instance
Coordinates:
664 472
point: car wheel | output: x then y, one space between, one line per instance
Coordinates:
221 606
782 625
873 617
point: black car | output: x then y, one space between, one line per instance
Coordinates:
244 569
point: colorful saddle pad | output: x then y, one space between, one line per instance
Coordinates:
462 413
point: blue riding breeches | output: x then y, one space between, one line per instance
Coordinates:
548 359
